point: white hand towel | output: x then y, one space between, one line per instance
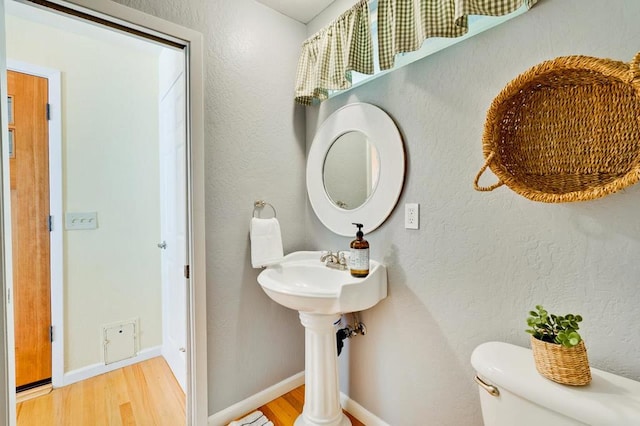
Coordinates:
254 419
266 242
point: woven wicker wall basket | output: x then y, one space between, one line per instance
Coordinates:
567 129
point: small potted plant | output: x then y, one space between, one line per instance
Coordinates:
558 349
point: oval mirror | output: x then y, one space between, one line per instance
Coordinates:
350 171
355 168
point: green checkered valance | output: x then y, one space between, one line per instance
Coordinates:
404 24
329 56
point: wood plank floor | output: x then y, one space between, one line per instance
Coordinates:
284 410
142 394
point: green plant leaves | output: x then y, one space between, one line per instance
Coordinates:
554 328
568 338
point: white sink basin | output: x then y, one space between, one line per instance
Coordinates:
320 294
303 283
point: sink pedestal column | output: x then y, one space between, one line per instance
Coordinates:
321 393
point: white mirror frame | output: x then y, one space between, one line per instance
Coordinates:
383 133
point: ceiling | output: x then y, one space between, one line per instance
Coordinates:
300 10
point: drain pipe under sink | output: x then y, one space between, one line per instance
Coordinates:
348 332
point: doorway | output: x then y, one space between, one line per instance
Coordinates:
54 112
111 263
30 227
195 350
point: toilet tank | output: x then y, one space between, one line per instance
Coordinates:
528 399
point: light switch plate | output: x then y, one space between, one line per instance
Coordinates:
87 220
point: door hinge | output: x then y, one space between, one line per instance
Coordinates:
186 271
51 333
48 112
50 223
9 295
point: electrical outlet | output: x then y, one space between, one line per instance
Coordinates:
412 216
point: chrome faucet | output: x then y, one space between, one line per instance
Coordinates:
328 256
334 260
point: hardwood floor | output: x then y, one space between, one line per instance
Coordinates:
283 411
141 394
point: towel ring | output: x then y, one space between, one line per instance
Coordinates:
260 204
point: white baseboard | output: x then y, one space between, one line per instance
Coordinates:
359 412
246 406
222 418
89 371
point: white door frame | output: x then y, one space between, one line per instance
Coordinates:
7 358
197 400
55 210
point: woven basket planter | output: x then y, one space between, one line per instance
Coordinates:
569 366
566 130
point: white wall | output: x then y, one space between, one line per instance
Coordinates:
481 260
110 161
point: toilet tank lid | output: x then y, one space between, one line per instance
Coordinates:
607 400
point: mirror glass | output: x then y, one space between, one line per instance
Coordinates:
351 170
355 168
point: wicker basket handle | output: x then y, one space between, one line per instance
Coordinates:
484 167
635 67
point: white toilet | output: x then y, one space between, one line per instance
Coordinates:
513 393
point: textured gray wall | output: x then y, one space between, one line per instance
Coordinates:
480 261
255 149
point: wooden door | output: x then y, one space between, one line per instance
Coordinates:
29 180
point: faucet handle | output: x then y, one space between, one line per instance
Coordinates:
341 258
325 255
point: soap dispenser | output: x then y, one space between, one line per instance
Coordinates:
359 258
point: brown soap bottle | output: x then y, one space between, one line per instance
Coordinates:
359 258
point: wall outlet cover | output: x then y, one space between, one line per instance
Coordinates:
412 216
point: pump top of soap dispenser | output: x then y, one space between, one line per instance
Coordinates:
359 234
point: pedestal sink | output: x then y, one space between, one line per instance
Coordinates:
320 295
